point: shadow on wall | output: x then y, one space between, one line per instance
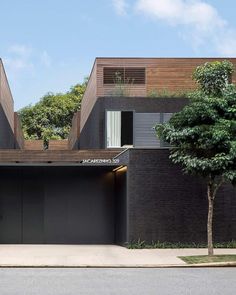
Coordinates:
7 139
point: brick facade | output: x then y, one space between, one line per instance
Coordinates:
165 205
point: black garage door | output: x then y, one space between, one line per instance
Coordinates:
71 205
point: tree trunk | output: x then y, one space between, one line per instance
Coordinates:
211 196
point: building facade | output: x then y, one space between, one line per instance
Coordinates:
112 180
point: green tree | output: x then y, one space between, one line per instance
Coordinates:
213 77
51 117
203 135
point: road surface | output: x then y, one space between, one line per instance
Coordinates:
86 281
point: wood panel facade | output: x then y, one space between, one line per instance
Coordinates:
176 74
58 145
19 136
90 96
47 156
34 145
162 74
75 131
6 99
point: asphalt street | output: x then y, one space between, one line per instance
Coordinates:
80 281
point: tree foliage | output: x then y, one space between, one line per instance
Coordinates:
51 117
203 134
213 77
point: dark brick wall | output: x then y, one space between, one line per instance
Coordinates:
165 205
93 134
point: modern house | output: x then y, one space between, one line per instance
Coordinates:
112 180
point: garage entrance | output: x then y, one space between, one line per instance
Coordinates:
57 205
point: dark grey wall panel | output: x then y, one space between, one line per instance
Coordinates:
92 135
79 206
70 205
120 192
56 206
144 133
10 206
32 193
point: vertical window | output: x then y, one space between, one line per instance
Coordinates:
113 129
119 129
126 128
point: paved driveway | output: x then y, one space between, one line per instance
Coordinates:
93 256
117 281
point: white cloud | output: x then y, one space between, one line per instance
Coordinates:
198 23
197 20
18 58
21 57
21 50
179 12
120 6
16 63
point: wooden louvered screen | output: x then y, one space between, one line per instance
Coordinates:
135 75
109 75
127 75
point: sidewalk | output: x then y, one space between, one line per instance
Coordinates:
94 256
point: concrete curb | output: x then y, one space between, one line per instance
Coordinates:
213 264
200 265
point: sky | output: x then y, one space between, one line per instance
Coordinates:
50 45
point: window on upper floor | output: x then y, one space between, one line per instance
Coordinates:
144 129
128 128
119 129
124 75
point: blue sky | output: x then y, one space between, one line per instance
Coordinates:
49 45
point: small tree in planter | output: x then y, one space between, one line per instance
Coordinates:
203 134
122 85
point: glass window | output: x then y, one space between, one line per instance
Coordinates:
119 129
113 129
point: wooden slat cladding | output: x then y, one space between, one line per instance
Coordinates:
19 136
129 90
135 75
58 145
126 75
171 74
30 156
176 74
89 97
6 99
34 145
75 131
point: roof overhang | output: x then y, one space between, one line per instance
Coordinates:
60 158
